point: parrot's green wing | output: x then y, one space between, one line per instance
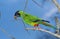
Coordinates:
28 18
39 21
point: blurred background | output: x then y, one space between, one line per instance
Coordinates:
46 10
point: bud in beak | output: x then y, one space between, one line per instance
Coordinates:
15 17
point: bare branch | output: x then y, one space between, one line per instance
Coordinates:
57 24
39 29
36 3
57 5
7 33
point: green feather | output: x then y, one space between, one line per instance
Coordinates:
29 19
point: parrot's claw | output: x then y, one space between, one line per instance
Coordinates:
37 28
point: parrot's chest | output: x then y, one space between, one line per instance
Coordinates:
28 18
29 21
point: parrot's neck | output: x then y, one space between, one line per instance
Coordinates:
22 13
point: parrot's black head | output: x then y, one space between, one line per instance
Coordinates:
17 14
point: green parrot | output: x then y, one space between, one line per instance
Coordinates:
32 20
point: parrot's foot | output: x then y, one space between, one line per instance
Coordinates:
37 28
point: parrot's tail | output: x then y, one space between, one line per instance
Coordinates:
53 27
49 25
46 21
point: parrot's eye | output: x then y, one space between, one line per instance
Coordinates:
17 14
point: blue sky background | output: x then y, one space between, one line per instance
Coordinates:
16 28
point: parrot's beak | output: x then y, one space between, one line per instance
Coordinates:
15 17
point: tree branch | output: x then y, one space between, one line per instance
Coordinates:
57 24
39 29
7 33
57 5
36 3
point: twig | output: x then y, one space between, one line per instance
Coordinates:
57 5
6 33
44 31
57 24
36 3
